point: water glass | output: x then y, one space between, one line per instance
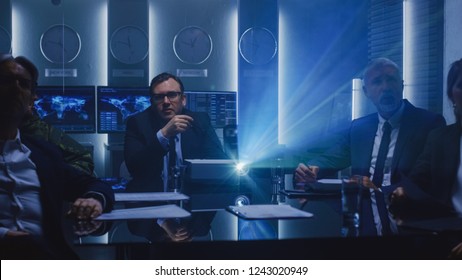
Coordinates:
351 205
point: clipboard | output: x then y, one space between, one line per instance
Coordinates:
268 211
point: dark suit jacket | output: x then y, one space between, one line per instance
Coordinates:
431 180
144 154
355 148
59 182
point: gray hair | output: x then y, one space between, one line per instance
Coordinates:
379 63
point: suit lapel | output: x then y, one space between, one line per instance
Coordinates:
154 124
42 166
407 128
364 140
451 143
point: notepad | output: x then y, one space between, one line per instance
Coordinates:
268 211
169 211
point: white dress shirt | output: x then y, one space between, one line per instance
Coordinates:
164 142
394 121
20 207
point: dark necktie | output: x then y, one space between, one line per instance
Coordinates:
171 162
378 178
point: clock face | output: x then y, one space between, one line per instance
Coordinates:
129 44
192 45
60 44
258 45
5 41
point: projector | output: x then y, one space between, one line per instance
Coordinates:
213 184
211 171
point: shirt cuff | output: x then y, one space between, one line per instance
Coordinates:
98 196
161 221
162 140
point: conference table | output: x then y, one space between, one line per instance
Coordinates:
216 233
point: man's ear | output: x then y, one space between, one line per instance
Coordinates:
183 101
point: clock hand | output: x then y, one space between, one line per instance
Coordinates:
187 43
129 42
255 48
193 41
55 43
123 43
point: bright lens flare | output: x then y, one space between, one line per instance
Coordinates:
242 169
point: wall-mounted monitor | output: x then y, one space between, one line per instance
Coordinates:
70 108
116 104
220 105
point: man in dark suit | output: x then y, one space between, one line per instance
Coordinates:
149 134
408 128
35 181
166 127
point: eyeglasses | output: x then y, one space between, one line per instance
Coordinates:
171 95
23 83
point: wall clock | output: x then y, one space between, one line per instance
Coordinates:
129 44
258 45
5 41
192 45
60 44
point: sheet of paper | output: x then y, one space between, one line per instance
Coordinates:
151 196
330 181
153 212
211 161
268 211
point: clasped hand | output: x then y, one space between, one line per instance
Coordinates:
175 231
305 174
308 174
177 124
85 208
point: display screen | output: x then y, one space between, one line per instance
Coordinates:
70 108
116 104
220 105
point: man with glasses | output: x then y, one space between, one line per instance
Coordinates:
151 137
166 123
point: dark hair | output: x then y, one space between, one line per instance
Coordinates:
29 66
162 77
453 74
5 57
24 62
